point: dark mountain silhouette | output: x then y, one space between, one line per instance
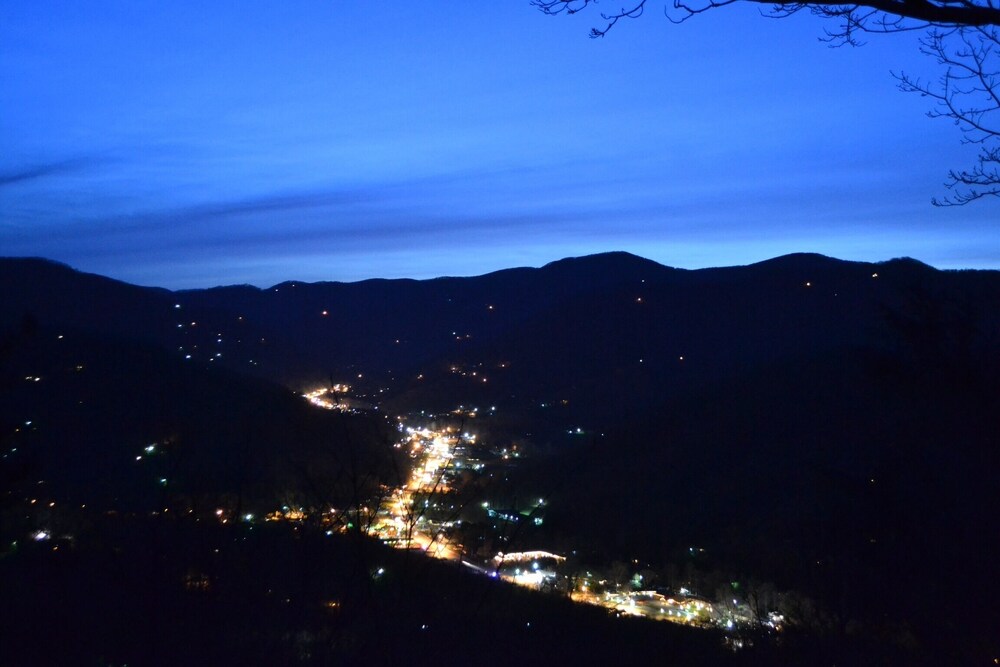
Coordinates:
573 327
57 297
828 425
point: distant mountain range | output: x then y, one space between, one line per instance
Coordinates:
602 333
830 425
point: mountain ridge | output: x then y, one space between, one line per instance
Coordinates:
607 259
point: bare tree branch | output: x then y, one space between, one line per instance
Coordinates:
968 94
555 7
883 17
963 37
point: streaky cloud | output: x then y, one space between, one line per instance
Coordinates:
47 170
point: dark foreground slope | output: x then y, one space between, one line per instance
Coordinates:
160 591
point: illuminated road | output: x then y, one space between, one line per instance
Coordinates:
403 520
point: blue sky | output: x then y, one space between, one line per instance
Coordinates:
192 144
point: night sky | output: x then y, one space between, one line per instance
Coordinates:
191 144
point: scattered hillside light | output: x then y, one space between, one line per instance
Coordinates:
729 624
40 536
874 275
325 313
150 449
248 517
809 284
163 481
138 458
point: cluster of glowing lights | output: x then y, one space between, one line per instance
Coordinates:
318 397
401 523
526 556
285 514
653 605
529 578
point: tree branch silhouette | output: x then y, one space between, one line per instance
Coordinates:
968 94
962 37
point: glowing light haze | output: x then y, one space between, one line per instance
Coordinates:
191 144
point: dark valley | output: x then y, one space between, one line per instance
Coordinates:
793 461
